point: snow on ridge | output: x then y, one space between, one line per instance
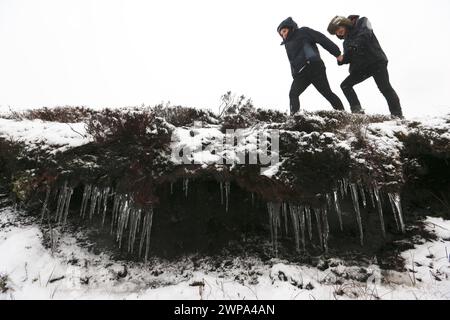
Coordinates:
54 136
209 146
59 137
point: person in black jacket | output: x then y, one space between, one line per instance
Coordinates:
306 65
367 59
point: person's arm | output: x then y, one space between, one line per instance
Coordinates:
346 56
323 40
356 45
358 42
362 39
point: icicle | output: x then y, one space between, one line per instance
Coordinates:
171 188
120 216
371 197
271 219
63 204
301 214
354 193
124 212
293 210
146 233
341 188
330 205
62 208
83 200
94 196
114 214
394 211
135 217
326 228
319 226
284 209
253 200
61 201
221 192
274 216
143 233
44 206
86 197
55 196
130 230
186 186
99 201
395 200
309 221
376 192
337 207
105 204
363 194
149 230
328 198
67 205
345 183
227 194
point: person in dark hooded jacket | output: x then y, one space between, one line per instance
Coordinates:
367 59
306 65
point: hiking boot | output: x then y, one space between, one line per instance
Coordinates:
357 109
397 117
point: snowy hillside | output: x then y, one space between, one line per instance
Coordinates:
29 270
181 203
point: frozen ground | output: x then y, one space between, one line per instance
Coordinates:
69 270
50 136
29 270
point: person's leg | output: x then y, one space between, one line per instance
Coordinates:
381 77
347 87
320 82
299 85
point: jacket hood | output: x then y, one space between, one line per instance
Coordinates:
359 23
353 18
287 23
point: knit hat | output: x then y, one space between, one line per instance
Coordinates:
337 22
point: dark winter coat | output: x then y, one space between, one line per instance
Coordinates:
301 45
361 46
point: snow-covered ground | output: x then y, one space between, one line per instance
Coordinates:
51 136
28 270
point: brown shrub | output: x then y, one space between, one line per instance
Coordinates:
64 114
269 115
183 116
131 126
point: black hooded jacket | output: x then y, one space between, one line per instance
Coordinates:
361 46
301 45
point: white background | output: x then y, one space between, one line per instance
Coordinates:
107 53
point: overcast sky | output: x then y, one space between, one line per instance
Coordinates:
106 53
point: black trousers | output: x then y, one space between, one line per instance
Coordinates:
313 73
381 76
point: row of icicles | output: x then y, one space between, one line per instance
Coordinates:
125 215
224 191
301 215
95 202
